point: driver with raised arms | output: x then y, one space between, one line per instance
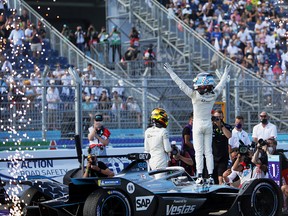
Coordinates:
203 100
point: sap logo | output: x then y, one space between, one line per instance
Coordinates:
143 202
179 210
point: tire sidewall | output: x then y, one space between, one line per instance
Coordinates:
95 202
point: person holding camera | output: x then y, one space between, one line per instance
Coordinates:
98 137
156 140
243 168
115 42
264 130
80 38
95 168
221 134
181 158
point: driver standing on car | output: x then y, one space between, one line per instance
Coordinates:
156 140
95 168
203 96
98 137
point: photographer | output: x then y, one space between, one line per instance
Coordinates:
80 38
220 146
181 158
95 168
98 137
244 168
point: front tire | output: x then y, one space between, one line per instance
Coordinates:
262 202
106 203
32 197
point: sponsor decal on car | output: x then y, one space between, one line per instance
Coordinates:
130 188
143 202
109 182
179 209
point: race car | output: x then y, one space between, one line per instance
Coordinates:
136 192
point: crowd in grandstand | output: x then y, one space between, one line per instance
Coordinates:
252 33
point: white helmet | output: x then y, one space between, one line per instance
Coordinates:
203 79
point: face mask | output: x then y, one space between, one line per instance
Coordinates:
238 126
264 121
270 150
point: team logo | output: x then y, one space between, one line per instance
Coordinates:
143 202
130 188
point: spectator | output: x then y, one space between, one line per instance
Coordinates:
103 46
277 71
95 168
98 137
115 42
117 105
220 146
134 110
96 89
156 140
16 38
87 108
264 130
134 37
53 98
36 43
104 104
80 36
119 87
89 71
67 33
149 58
42 32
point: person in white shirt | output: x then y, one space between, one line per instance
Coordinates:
264 130
239 134
156 141
16 38
53 98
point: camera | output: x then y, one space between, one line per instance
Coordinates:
214 118
243 149
262 142
91 158
175 150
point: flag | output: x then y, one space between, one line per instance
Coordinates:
219 19
210 28
224 44
216 44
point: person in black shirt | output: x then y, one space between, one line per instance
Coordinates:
187 140
96 168
221 133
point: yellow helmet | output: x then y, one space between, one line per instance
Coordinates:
160 115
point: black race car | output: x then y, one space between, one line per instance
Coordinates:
136 192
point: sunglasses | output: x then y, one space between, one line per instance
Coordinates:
263 116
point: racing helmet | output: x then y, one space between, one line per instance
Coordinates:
203 83
159 115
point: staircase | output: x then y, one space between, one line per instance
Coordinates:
190 54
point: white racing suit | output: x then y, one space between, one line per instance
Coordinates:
156 142
202 129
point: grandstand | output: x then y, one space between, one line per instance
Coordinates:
173 41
